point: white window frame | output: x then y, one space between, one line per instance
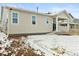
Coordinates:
46 19
35 20
12 17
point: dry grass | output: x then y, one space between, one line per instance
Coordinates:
18 48
71 32
58 50
74 32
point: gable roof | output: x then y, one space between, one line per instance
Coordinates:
24 10
45 14
71 15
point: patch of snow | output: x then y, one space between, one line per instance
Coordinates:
3 39
45 42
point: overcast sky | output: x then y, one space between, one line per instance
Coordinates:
72 8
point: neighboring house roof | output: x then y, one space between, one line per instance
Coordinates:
71 15
60 12
76 20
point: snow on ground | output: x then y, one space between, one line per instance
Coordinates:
46 42
3 40
49 44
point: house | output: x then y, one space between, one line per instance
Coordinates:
64 22
20 21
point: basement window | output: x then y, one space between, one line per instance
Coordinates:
15 17
33 19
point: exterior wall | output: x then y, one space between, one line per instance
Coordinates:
62 28
25 25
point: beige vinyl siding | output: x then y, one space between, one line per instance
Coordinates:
25 25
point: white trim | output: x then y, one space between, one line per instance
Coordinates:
0 14
57 29
35 19
68 25
46 19
12 17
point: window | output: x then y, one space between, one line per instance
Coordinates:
14 17
33 19
47 20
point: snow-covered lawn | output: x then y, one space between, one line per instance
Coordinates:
48 45
47 42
